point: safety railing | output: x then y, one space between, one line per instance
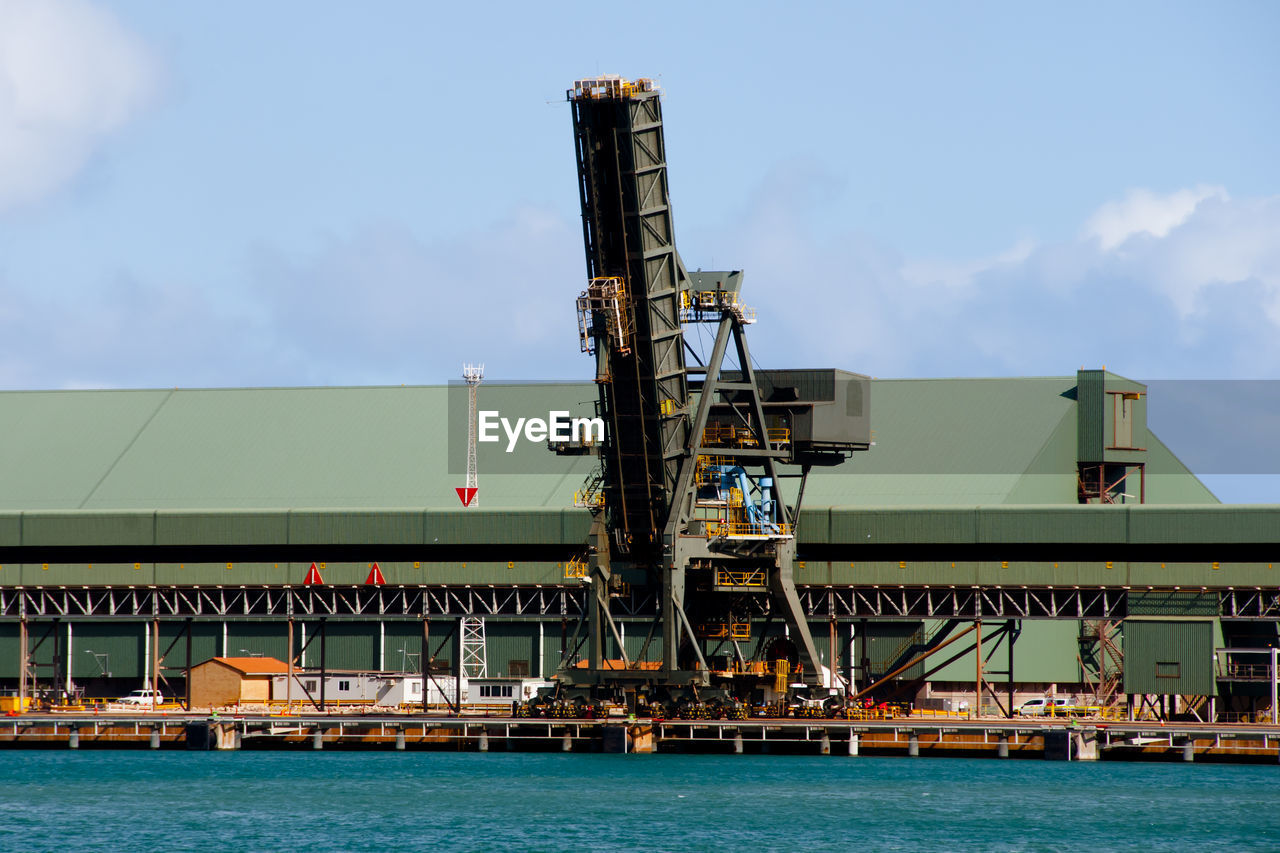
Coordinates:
725 631
1232 671
746 577
609 86
706 306
733 435
746 530
607 298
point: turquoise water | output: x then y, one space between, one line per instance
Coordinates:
117 801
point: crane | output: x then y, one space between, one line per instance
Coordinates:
691 511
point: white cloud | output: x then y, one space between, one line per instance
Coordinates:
1179 285
1142 211
70 75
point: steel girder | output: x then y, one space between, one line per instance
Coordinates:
570 601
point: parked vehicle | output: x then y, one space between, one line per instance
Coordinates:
1047 706
145 696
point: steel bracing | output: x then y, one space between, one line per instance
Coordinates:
570 601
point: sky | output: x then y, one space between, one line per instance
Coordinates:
323 193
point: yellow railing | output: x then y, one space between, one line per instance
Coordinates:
734 435
701 306
745 529
747 577
575 569
725 631
588 499
703 473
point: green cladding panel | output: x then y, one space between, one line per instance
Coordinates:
206 641
251 639
1172 657
1090 397
511 648
890 645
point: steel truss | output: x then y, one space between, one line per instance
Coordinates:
964 603
354 602
570 601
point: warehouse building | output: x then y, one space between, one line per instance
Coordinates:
144 530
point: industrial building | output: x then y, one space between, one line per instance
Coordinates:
732 536
181 525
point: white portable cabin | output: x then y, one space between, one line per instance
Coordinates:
502 691
384 689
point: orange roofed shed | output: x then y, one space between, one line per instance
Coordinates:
233 681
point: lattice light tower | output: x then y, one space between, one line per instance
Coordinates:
473 374
474 660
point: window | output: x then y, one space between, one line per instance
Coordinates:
344 685
309 685
1168 669
506 691
415 689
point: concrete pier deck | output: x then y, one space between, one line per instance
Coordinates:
994 737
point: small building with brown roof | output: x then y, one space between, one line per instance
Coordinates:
233 681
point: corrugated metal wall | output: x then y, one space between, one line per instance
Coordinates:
511 646
124 644
402 642
1090 391
270 639
1169 657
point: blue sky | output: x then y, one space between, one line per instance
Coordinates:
321 193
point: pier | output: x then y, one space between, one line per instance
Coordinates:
1065 740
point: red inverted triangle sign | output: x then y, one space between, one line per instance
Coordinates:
466 494
375 576
313 577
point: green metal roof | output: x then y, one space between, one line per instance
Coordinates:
937 442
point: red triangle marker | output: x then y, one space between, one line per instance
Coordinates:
375 577
313 577
466 494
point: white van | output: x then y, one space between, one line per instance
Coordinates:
1047 706
142 697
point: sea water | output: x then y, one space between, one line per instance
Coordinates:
274 801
